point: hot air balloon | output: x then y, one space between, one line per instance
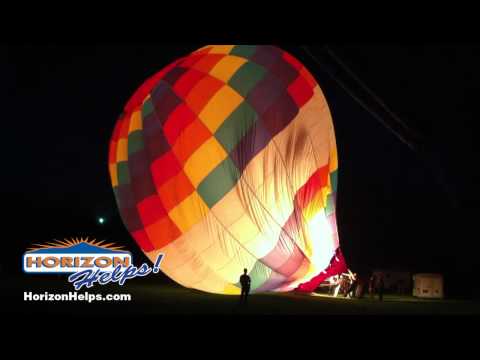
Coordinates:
224 160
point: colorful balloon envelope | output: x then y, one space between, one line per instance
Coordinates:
226 160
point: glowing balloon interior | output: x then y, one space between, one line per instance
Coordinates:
224 160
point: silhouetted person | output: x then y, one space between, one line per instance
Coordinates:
371 286
360 288
350 289
381 287
352 286
245 282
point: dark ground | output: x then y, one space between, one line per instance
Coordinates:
150 298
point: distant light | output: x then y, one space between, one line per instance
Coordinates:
101 220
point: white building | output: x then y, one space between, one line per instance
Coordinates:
428 286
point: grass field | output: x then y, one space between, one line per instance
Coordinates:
162 299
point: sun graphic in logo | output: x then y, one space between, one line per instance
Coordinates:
65 243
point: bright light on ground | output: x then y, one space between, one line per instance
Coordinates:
101 220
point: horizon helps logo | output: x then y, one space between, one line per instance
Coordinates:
87 261
71 256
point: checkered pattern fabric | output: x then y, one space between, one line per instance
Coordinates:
224 160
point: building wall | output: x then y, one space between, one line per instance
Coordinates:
428 286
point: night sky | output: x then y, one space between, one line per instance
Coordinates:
396 208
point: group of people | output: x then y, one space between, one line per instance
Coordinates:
349 284
345 284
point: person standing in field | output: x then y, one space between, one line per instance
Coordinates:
371 286
245 283
381 287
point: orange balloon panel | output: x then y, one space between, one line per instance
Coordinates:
224 160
